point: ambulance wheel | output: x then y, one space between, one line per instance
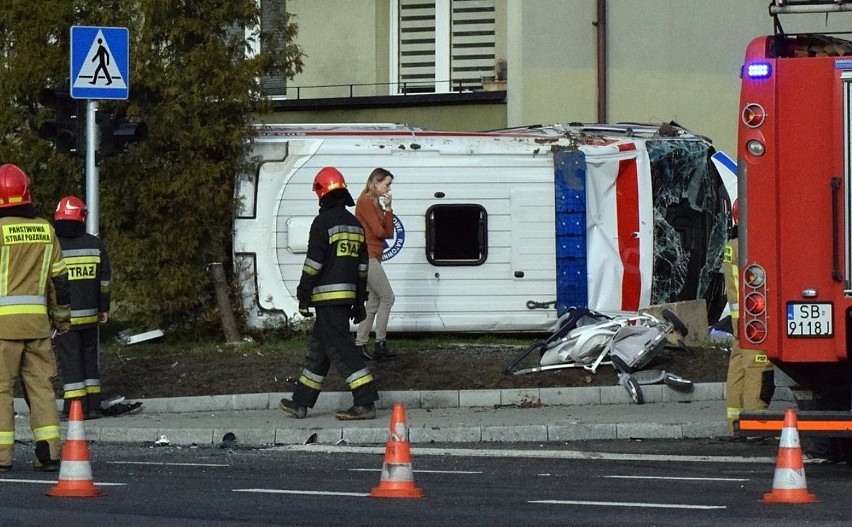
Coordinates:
677 382
634 390
676 323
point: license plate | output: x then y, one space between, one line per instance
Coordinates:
809 320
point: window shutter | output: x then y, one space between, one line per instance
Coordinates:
464 29
416 46
273 84
472 43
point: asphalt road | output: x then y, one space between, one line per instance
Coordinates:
697 482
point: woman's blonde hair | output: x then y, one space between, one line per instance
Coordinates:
378 174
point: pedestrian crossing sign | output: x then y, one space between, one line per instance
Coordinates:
100 66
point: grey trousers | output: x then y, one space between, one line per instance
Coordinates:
379 303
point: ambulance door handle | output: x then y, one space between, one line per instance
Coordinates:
836 275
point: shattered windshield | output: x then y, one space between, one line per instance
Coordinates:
690 219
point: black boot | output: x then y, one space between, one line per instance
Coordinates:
362 349
357 413
382 351
299 412
42 462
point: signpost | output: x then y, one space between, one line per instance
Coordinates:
100 66
100 69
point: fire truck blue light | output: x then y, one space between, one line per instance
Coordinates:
758 70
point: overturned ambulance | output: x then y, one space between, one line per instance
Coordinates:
501 230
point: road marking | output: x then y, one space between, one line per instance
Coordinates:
630 504
422 471
160 463
10 480
309 492
677 478
543 454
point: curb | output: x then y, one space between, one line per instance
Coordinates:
444 416
432 399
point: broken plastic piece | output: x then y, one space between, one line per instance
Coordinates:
121 409
125 337
106 403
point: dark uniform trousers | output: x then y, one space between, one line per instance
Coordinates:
331 343
80 368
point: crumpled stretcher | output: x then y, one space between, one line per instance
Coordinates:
629 342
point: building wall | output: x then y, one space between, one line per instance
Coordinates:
551 62
466 117
345 42
668 60
685 65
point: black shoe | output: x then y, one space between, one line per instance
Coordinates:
121 409
5 468
357 412
299 412
51 465
382 351
362 349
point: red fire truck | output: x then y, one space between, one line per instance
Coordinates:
795 231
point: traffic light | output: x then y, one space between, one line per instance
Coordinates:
117 133
68 129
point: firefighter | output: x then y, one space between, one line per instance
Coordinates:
749 382
33 296
334 283
89 279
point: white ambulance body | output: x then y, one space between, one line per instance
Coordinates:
493 230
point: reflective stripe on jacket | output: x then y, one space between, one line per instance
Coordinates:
33 279
335 269
89 278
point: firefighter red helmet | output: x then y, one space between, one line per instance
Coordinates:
735 211
14 186
71 208
328 179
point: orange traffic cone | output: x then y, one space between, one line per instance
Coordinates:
789 484
75 472
397 475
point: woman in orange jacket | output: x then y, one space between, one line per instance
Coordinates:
375 213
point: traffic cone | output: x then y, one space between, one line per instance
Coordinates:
789 484
75 472
397 475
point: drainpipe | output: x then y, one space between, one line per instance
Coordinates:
600 25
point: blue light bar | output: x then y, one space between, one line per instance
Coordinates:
759 70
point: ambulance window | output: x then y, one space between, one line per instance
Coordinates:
456 235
